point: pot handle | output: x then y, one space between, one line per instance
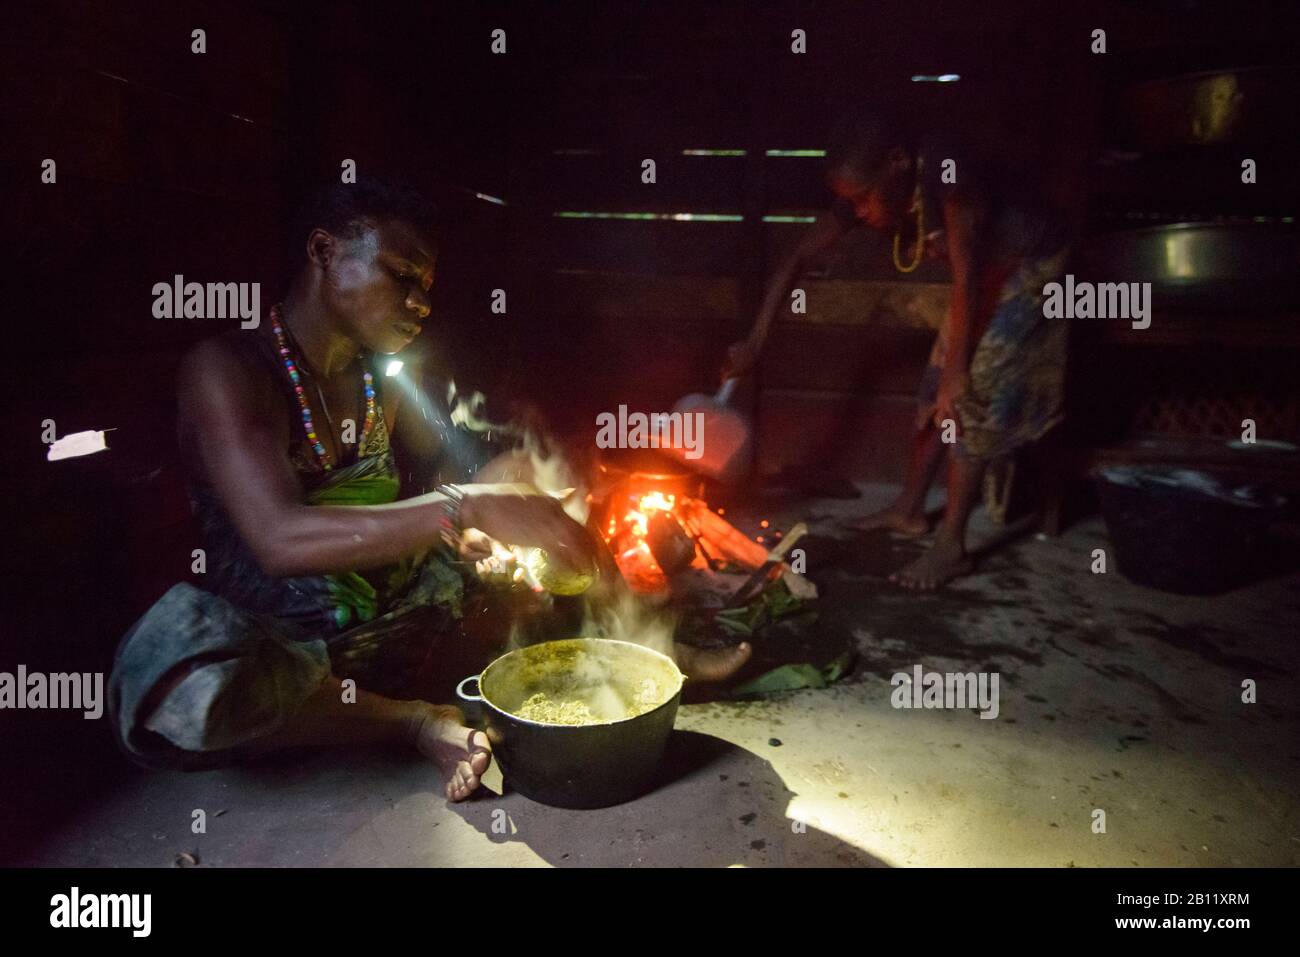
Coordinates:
473 703
463 695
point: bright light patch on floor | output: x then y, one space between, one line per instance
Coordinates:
940 78
394 367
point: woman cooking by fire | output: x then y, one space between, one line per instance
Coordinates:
316 570
997 367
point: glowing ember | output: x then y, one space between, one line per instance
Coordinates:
626 534
658 501
627 530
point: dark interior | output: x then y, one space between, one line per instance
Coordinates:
170 163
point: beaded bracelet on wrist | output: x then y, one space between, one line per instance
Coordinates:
449 526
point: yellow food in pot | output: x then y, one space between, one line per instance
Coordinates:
541 707
574 711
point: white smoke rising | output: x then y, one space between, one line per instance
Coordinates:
627 619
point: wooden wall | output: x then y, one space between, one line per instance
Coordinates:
643 308
167 162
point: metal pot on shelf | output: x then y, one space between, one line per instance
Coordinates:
1202 265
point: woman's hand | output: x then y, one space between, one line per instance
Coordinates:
741 357
532 521
954 384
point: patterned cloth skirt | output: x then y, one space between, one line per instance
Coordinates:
1017 372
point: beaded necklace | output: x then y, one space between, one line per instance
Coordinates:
918 207
291 367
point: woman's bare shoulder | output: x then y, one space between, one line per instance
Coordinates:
223 372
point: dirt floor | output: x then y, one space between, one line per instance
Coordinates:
1113 698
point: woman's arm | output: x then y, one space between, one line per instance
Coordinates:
961 222
961 217
239 428
828 230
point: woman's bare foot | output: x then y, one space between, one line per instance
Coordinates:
944 561
711 664
463 754
894 519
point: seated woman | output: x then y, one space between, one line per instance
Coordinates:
316 572
997 368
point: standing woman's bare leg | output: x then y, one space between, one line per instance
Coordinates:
946 558
906 515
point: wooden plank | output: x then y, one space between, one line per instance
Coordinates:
714 299
118 240
874 303
865 437
648 247
862 254
883 359
687 109
244 71
795 182
707 300
78 119
1281 330
175 145
101 128
612 180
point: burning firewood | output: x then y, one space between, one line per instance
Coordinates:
671 547
724 540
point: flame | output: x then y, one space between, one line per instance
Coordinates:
627 525
658 501
638 517
627 534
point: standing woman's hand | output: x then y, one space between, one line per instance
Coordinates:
954 384
741 358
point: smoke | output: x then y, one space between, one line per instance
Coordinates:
536 459
624 618
543 463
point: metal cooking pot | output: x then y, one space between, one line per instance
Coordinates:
578 766
1254 104
1201 265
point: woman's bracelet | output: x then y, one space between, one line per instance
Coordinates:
449 526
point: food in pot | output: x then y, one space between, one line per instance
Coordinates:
542 707
608 705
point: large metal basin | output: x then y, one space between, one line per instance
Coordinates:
1202 265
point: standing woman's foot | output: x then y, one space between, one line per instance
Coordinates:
944 561
463 754
893 519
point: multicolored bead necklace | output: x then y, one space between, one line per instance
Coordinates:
291 367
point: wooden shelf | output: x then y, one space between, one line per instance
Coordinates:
1276 330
